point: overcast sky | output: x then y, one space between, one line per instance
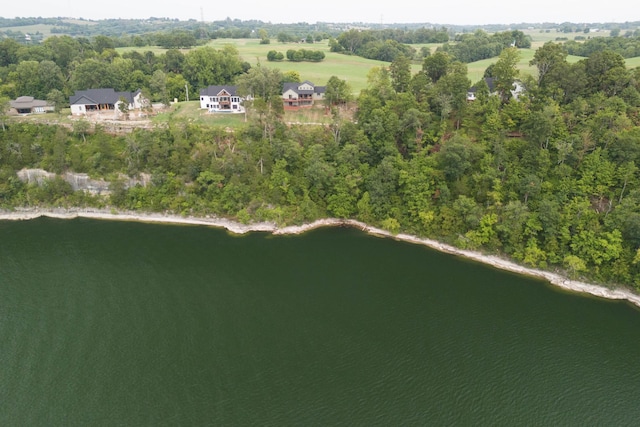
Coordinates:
370 11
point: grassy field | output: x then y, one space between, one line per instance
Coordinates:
43 29
476 69
353 69
539 38
633 62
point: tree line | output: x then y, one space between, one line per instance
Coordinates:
62 64
626 46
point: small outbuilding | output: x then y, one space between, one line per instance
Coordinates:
30 105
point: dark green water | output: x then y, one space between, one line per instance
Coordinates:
107 323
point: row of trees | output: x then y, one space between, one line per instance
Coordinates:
370 45
296 55
471 47
628 47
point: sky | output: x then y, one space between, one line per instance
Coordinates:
459 12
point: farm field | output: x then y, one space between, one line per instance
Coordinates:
43 29
353 69
539 38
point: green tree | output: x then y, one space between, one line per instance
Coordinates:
173 61
261 82
176 87
208 66
64 50
400 70
506 71
158 86
436 66
606 71
102 43
291 77
548 59
92 74
57 98
337 91
4 109
123 107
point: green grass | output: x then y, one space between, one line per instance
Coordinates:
353 69
476 69
539 38
633 62
43 29
191 112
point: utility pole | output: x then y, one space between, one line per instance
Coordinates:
186 89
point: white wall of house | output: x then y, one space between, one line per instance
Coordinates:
212 104
139 102
78 109
290 94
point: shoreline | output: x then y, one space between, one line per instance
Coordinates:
555 279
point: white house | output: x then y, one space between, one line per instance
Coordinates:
221 99
297 95
104 100
518 89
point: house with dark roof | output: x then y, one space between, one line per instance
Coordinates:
105 100
300 95
517 90
29 105
221 99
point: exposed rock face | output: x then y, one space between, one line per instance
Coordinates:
80 181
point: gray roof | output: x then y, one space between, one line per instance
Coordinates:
490 81
215 90
100 96
294 87
24 102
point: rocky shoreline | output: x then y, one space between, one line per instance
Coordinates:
238 228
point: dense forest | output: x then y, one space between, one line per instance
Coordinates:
549 179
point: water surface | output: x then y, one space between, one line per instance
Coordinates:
112 323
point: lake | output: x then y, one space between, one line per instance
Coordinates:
123 323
